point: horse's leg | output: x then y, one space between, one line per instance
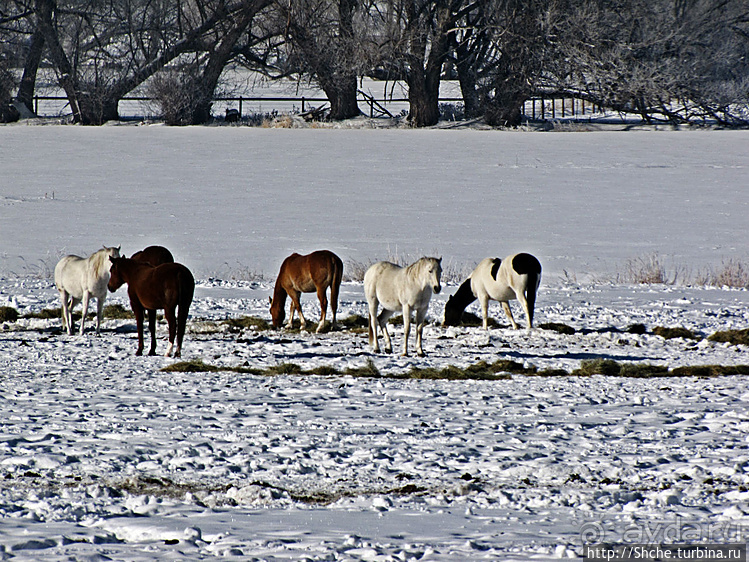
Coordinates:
407 329
64 304
421 314
152 329
373 341
72 303
484 302
526 307
508 312
99 312
295 303
382 320
181 324
323 298
334 301
138 311
171 320
86 297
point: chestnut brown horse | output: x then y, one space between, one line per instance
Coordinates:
314 272
153 255
150 288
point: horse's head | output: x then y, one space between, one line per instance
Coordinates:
111 251
277 310
115 273
453 312
434 272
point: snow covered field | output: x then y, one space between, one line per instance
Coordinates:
105 456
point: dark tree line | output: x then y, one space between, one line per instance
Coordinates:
675 60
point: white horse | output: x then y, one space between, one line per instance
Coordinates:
79 279
516 277
401 289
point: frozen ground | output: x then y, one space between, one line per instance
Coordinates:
104 456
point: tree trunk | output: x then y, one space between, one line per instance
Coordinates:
44 11
341 93
466 66
423 99
424 70
31 67
220 55
504 109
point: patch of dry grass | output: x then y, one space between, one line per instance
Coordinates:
497 371
735 337
8 314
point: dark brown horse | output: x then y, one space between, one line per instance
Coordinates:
312 273
153 255
151 288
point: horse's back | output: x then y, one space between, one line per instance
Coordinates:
165 285
69 273
153 255
502 281
382 270
325 266
306 272
174 271
525 264
493 279
383 281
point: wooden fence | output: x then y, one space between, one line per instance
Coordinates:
542 107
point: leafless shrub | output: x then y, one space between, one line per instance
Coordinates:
651 269
176 94
730 273
645 270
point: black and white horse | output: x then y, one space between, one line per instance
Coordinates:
515 277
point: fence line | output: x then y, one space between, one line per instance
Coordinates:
542 107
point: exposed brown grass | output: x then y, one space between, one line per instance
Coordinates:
8 314
735 337
497 371
678 332
118 312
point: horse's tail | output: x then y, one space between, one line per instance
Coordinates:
335 285
457 303
526 264
530 296
186 292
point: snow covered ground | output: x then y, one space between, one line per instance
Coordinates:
105 456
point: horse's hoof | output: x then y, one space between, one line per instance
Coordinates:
139 352
152 352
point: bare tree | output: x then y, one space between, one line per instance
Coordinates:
186 92
324 40
678 60
415 43
103 49
500 51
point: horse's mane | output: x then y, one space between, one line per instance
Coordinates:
418 264
100 260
